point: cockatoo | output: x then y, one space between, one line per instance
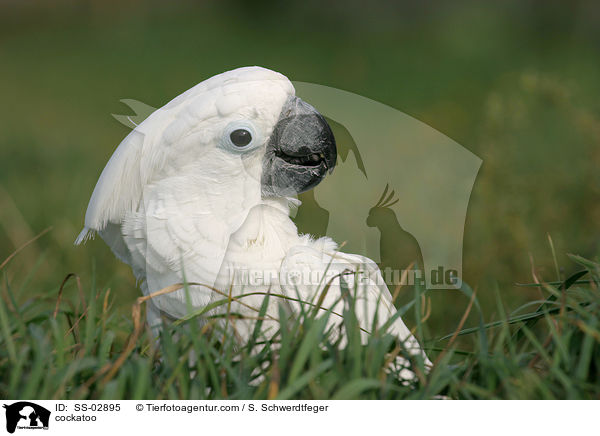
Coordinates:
201 191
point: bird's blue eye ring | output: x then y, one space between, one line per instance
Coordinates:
240 136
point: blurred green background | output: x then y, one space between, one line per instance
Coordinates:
515 82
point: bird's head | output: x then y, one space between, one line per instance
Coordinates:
250 120
241 134
381 214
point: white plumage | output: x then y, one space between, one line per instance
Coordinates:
176 199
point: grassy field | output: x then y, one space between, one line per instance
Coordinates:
82 349
515 83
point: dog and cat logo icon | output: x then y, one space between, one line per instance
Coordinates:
26 415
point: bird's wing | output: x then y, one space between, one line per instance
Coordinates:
306 270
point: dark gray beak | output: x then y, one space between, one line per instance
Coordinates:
300 151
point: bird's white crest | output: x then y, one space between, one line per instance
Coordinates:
141 155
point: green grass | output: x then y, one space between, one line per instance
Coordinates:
54 347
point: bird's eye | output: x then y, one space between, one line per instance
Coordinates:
240 137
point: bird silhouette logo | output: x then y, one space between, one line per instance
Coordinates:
398 249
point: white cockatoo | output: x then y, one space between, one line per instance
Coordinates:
201 192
